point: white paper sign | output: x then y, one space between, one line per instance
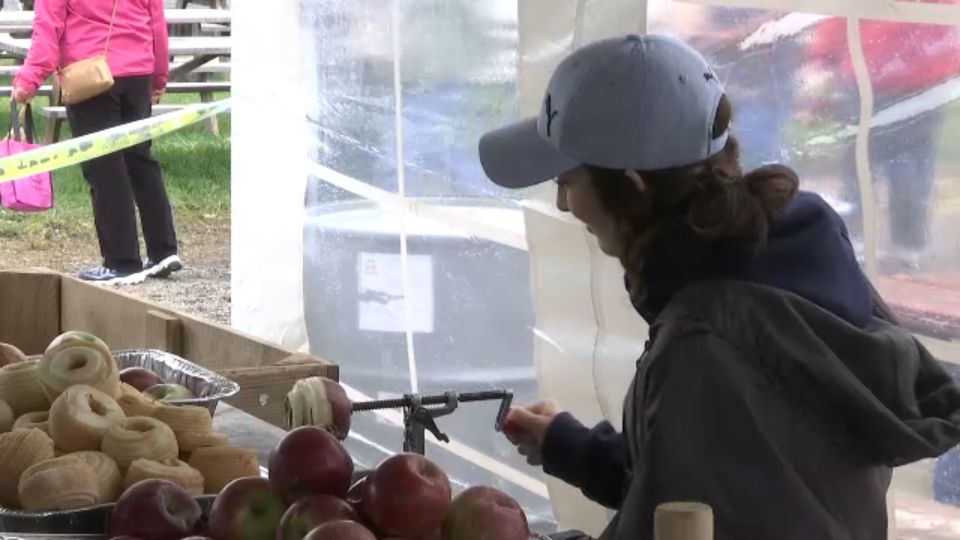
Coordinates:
380 292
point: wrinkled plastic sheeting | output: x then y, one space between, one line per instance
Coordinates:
268 174
588 338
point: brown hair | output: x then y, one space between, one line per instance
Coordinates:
694 205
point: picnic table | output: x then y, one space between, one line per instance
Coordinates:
204 46
22 21
197 50
201 51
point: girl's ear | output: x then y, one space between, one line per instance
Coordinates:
637 180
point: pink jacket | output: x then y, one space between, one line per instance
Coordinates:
65 31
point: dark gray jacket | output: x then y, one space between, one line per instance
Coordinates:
783 416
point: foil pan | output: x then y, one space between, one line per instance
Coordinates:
208 387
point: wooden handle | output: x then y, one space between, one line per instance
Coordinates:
683 521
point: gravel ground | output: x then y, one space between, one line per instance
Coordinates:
202 288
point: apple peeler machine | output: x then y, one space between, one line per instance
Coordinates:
420 413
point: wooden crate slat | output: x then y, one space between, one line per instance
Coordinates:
120 320
29 309
163 331
37 306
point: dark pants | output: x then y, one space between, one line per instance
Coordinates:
122 179
904 154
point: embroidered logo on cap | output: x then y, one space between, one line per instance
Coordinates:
551 114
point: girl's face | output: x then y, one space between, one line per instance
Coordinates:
576 194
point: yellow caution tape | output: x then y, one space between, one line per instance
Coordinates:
101 143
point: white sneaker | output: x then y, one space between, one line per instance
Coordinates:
163 268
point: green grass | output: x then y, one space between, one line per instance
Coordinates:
196 165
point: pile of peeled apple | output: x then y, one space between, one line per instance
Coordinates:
76 432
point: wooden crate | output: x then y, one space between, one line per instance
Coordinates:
37 306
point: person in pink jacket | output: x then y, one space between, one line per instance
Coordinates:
136 44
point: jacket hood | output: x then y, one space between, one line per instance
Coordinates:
807 253
825 332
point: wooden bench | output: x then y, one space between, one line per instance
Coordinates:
56 114
60 113
172 88
45 90
219 67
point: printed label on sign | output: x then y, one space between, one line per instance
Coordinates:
381 300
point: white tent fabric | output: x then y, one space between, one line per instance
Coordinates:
588 335
268 173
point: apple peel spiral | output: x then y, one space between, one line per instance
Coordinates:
176 471
78 358
107 472
37 419
62 483
190 441
136 403
185 418
20 387
80 417
221 465
139 437
19 450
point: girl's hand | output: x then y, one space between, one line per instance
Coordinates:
21 96
157 95
526 427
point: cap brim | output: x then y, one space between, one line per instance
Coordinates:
516 157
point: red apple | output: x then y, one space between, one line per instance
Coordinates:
310 512
10 354
169 392
407 495
155 510
435 535
485 513
341 409
202 530
310 461
341 530
140 378
246 509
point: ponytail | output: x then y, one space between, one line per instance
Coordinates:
729 204
699 204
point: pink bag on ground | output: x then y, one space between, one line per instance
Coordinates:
32 193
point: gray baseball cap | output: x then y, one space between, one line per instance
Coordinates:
633 102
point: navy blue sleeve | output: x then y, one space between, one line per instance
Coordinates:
594 460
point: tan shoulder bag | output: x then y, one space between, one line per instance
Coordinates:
89 77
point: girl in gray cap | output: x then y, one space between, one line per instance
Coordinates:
776 386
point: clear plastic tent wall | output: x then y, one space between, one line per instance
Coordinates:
400 262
